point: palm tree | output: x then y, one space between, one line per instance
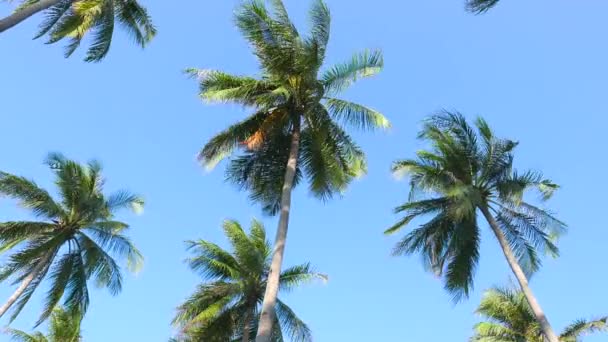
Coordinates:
75 238
63 327
510 319
226 307
465 173
480 6
73 19
296 128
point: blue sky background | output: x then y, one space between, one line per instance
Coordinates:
536 70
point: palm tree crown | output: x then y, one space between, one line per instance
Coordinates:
510 319
63 327
463 173
74 19
292 95
75 238
228 304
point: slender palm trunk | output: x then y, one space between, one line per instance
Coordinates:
246 326
268 314
24 284
550 335
24 13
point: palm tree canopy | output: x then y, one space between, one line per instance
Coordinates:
480 6
291 94
463 171
63 327
76 237
234 288
510 319
75 19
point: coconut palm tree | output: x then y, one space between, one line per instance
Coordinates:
480 6
74 238
466 173
227 306
74 19
510 319
63 327
296 128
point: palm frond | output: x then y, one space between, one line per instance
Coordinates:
66 277
356 115
582 327
29 195
211 261
52 17
248 256
64 326
295 276
107 238
22 336
11 232
217 86
125 200
341 76
100 265
273 41
291 325
480 6
136 21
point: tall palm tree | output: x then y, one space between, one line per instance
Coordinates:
297 127
75 237
480 6
63 327
226 307
463 174
74 19
510 319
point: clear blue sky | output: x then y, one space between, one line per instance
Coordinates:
536 70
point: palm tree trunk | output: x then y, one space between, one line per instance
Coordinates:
268 315
24 284
246 327
550 335
24 13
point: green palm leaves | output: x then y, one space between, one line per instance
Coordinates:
75 239
480 6
63 327
74 19
510 319
226 306
465 171
291 92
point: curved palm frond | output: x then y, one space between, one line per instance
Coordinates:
22 336
29 195
341 76
295 276
291 325
356 114
582 327
480 6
